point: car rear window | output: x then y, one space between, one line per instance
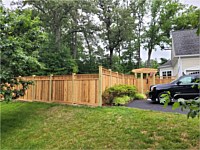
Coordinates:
186 80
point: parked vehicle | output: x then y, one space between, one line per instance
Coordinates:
184 87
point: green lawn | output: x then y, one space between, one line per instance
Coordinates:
53 126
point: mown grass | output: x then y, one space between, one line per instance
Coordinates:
52 126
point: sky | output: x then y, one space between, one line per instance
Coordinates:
155 54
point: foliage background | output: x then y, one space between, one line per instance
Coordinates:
62 37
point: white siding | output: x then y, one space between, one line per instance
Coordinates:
190 62
186 63
175 69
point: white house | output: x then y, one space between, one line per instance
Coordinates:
185 54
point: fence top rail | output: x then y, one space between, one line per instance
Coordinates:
60 76
109 72
129 75
75 79
86 74
145 70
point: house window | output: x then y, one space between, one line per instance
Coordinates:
167 73
197 72
164 73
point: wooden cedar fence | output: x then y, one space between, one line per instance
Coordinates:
84 89
74 89
148 81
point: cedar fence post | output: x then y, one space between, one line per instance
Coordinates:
100 85
154 80
110 81
123 80
135 79
33 88
117 77
142 85
73 77
50 87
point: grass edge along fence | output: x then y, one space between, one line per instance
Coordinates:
83 89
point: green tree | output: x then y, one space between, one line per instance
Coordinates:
21 39
153 64
138 10
168 15
116 24
56 62
60 52
163 61
108 32
188 19
53 13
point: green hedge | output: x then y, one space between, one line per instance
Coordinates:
121 100
118 91
139 96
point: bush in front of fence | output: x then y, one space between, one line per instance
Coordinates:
118 91
121 100
12 88
139 96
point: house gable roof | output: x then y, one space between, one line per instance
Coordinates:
167 64
186 42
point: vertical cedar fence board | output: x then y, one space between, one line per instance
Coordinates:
84 89
77 89
111 78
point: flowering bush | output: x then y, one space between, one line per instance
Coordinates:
13 88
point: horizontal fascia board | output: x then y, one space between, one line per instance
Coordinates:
187 55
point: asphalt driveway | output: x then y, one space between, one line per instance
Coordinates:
144 104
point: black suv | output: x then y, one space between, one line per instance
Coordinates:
184 87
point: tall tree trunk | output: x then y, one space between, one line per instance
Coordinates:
149 58
57 38
110 59
57 30
74 45
74 34
139 43
90 50
138 52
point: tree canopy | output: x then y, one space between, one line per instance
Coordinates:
62 37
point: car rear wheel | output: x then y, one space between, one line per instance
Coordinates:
160 96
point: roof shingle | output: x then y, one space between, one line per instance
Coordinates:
186 42
167 64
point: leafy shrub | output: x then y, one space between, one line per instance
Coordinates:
8 90
121 100
139 96
118 91
192 104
